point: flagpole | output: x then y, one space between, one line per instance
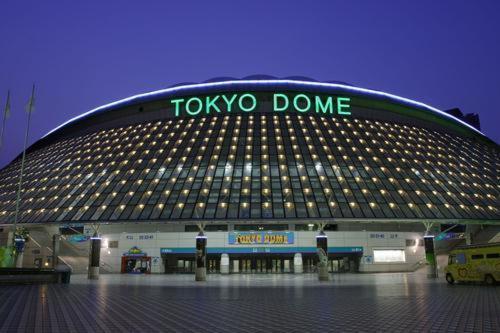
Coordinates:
5 115
18 199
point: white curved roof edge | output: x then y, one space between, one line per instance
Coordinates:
264 82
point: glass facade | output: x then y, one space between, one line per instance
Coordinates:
258 166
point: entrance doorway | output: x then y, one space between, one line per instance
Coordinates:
261 264
246 265
179 264
336 263
213 264
136 265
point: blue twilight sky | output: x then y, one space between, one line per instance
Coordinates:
82 54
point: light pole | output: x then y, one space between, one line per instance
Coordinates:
19 244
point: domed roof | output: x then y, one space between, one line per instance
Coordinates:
135 160
261 82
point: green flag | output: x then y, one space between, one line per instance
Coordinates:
6 113
31 103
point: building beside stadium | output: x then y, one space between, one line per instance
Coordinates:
261 165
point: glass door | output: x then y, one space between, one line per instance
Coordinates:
260 265
213 266
333 265
309 265
235 266
276 266
184 266
246 265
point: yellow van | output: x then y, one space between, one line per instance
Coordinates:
474 263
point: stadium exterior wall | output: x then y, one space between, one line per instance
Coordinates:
257 156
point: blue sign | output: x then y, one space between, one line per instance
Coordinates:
77 238
260 237
450 235
255 250
19 244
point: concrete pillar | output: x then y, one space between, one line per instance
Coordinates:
224 263
430 256
19 260
470 231
468 237
94 257
56 241
298 268
322 248
201 257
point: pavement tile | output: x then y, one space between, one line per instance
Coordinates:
284 303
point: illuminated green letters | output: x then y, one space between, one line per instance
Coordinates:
188 106
283 98
343 108
326 107
211 103
306 100
229 102
248 102
243 107
176 102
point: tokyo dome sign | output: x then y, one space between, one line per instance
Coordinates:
249 102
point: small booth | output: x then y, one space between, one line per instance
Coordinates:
134 261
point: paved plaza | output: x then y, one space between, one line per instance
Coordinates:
399 302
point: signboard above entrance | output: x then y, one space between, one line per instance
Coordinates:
260 250
248 102
260 237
